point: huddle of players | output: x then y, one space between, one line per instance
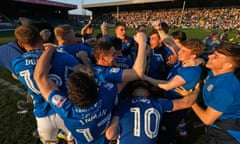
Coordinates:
88 100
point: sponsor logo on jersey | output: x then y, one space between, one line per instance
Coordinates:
58 100
114 70
108 86
210 87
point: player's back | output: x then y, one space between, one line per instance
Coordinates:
23 68
88 124
140 119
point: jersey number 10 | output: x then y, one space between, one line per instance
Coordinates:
150 133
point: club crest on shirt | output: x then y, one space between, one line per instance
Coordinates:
108 86
58 100
114 70
210 87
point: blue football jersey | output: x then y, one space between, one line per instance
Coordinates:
87 125
191 75
158 68
107 74
75 48
222 93
124 62
140 119
23 67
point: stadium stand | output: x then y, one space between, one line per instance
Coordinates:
177 13
40 10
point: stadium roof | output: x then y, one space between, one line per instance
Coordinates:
120 2
139 5
49 3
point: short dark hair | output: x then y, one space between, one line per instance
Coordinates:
154 32
120 24
138 84
231 50
102 46
164 27
180 35
82 90
195 45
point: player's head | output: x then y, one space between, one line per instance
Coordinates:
82 90
116 43
190 49
120 30
179 35
139 88
27 36
155 39
104 53
64 34
225 56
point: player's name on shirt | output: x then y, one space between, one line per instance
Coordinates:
143 100
30 62
96 115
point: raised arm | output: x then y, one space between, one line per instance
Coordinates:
137 71
83 30
140 61
139 65
167 40
41 71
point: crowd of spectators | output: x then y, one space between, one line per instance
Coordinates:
195 17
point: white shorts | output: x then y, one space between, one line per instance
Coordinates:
48 128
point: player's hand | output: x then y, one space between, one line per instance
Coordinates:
182 91
140 37
156 24
171 59
49 45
